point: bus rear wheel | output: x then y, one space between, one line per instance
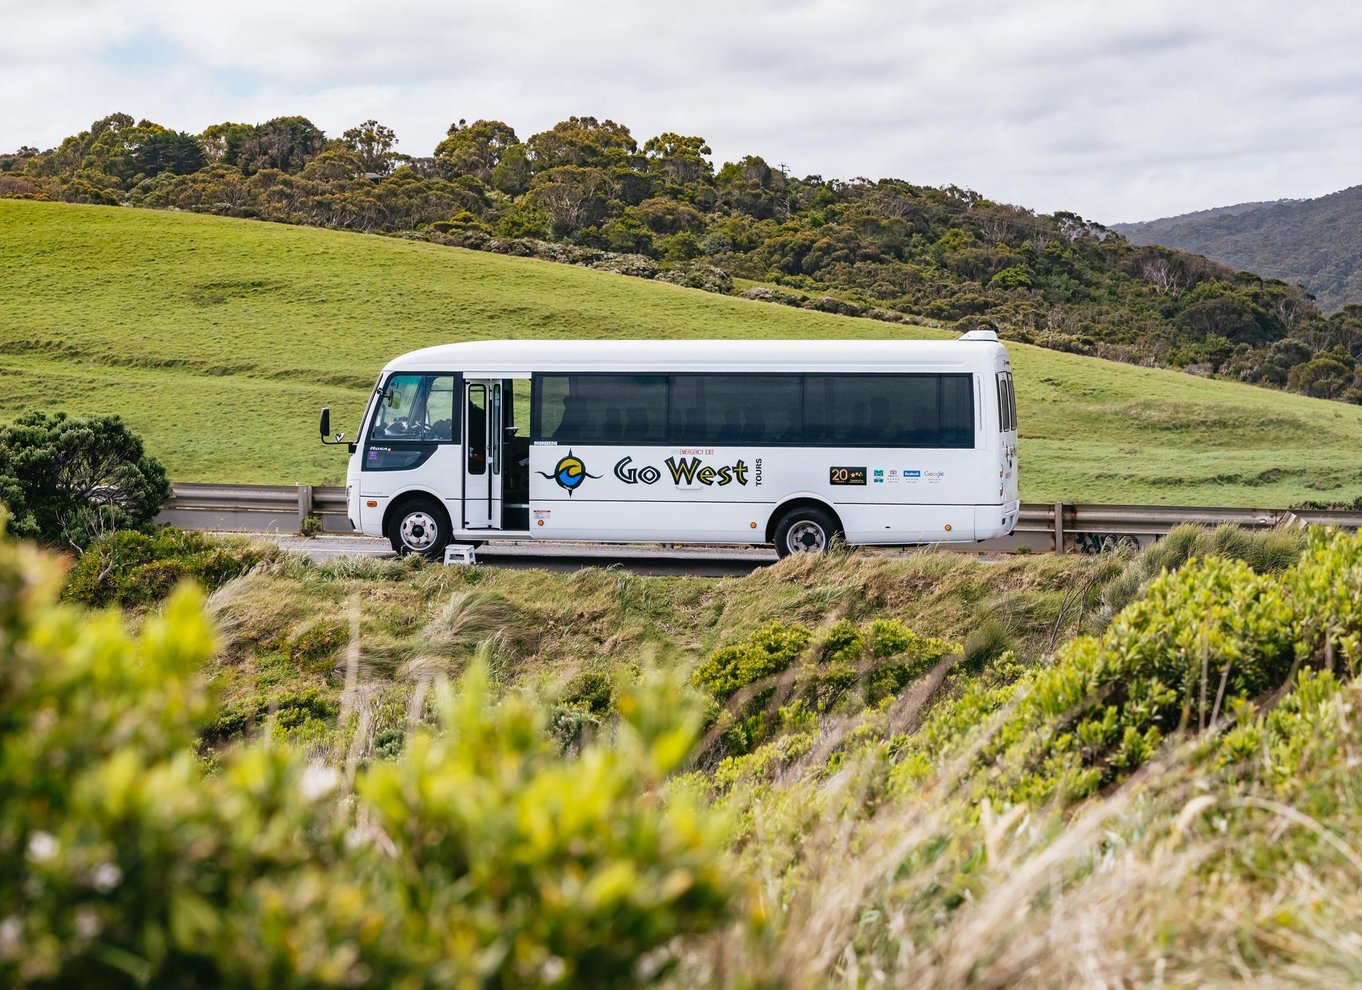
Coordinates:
420 526
804 530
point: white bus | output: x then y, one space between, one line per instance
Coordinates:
791 443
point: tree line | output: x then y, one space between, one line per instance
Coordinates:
1316 242
585 191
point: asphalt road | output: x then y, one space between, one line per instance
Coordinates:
651 560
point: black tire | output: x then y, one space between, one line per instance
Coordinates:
420 526
804 530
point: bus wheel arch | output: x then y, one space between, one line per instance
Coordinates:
417 522
798 514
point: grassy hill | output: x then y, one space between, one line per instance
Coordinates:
219 339
1313 242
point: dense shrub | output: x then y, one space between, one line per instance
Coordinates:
767 651
67 481
131 569
699 276
1267 552
1193 649
478 857
769 681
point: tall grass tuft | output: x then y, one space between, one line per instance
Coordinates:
1267 552
466 621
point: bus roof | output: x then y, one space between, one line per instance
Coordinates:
508 356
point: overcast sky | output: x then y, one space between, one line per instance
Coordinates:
1117 111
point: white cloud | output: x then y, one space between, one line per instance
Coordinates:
1115 111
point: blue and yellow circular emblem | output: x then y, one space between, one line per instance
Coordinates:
569 472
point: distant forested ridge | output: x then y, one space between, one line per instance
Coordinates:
586 192
1314 242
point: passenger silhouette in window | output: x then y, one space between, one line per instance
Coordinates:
858 426
753 426
636 425
732 428
574 419
613 429
881 425
693 429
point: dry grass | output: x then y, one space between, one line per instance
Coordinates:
1143 886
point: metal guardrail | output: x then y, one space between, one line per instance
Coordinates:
1041 527
255 508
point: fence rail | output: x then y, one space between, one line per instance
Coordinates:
1041 526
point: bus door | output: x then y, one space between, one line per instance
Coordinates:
483 455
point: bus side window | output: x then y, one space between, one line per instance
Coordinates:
636 424
736 409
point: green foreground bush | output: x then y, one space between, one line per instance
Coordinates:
132 569
480 857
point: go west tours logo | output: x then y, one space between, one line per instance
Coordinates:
569 472
686 471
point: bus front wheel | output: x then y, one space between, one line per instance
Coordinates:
804 530
420 526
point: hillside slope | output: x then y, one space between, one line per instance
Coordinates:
219 339
1314 242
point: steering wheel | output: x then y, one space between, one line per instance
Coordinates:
406 429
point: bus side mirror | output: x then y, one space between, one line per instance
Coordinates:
326 423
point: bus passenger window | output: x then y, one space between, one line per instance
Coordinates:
601 408
736 409
910 410
957 411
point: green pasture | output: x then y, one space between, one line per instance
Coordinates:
219 339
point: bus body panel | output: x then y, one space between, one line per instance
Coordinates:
881 495
439 477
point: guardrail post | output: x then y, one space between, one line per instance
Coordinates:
304 503
1059 527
